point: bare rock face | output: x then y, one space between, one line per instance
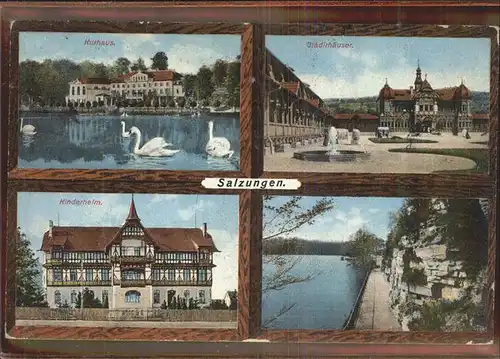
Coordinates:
430 265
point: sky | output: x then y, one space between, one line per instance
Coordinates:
186 53
361 70
347 216
188 211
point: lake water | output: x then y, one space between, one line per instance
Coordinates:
96 142
324 302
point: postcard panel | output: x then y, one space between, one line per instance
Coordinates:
377 104
121 260
129 101
386 264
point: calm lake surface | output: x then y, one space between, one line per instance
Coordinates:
324 302
96 142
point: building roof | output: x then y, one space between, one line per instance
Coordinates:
94 81
160 75
353 116
97 239
481 116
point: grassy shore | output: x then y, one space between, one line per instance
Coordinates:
478 155
400 140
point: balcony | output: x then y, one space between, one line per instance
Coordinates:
132 259
78 283
167 282
74 262
132 282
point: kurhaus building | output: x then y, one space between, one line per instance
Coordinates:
135 85
129 266
421 107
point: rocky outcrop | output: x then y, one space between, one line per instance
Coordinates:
434 279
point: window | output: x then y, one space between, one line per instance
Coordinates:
156 296
171 274
201 296
57 275
57 298
186 274
137 251
73 275
74 297
104 274
88 275
132 296
202 275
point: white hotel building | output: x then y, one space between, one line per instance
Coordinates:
129 266
132 86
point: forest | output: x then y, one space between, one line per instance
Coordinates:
298 246
47 82
480 104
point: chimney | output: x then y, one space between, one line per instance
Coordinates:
411 90
205 229
51 225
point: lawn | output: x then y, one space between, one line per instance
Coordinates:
400 140
480 142
478 155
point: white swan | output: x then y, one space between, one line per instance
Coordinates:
155 147
124 133
124 114
217 146
28 129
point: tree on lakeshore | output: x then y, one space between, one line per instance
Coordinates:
283 219
189 85
139 65
233 83
29 292
160 61
363 248
219 73
121 66
204 86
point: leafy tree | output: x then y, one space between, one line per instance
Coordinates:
216 103
160 61
233 84
205 103
121 66
29 82
29 292
94 104
189 85
193 104
164 305
88 104
219 73
89 300
139 65
65 305
363 248
181 102
204 86
173 304
171 103
218 304
282 218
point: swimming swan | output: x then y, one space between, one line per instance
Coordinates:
156 147
27 129
124 133
217 146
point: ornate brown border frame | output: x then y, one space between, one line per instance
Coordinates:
71 342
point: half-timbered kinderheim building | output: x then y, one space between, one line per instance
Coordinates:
129 266
133 86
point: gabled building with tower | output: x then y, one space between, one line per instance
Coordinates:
127 267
